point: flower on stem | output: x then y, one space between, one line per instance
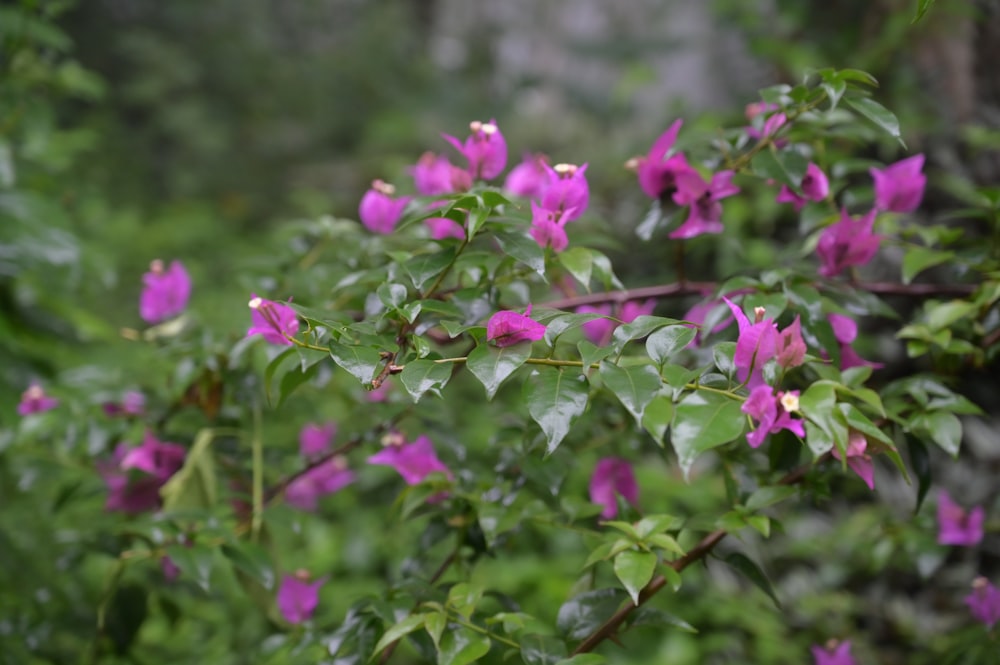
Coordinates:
755 345
529 179
444 227
298 597
155 462
325 478
506 328
274 321
434 175
599 331
899 187
984 602
773 413
548 227
378 210
568 192
956 526
413 461
833 653
657 173
705 214
485 149
315 440
166 292
814 185
858 458
845 329
34 400
133 404
790 349
849 242
613 475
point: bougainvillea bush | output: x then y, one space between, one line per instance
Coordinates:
447 431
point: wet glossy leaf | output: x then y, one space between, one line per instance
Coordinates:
555 398
634 569
492 365
361 362
703 421
419 376
634 386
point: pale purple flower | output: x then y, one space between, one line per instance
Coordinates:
133 404
506 328
656 171
379 211
849 242
413 461
834 653
845 330
315 440
166 292
815 187
769 128
151 465
956 526
434 175
485 149
599 331
899 187
548 227
705 214
297 597
529 178
34 400
773 413
568 192
984 602
790 349
443 227
327 477
613 475
857 457
755 345
274 321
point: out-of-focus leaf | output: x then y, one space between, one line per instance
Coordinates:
542 649
744 565
194 485
583 614
461 646
918 259
878 114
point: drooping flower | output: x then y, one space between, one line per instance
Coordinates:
568 192
599 331
34 400
613 475
134 476
413 461
529 178
705 214
166 292
755 345
955 525
444 227
833 653
857 457
548 227
506 328
434 175
274 321
315 440
899 187
815 187
298 597
656 171
790 349
133 404
845 329
773 413
984 602
485 149
378 210
330 476
849 242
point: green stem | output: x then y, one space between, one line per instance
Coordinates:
444 273
257 516
483 631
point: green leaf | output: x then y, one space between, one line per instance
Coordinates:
654 617
590 354
634 569
673 577
662 344
464 597
818 401
523 248
786 167
767 496
361 362
194 485
586 612
702 421
126 612
400 630
918 259
744 565
878 114
942 428
722 356
251 559
657 416
943 315
434 624
492 365
194 562
294 378
579 262
273 366
584 659
922 7
818 440
391 295
555 398
665 543
542 649
424 267
634 386
639 328
921 463
461 646
419 376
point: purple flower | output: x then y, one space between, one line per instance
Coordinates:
790 349
379 394
315 440
857 457
133 404
152 464
658 173
434 175
165 293
325 478
568 192
845 329
507 328
548 227
613 475
297 597
984 602
770 127
414 461
899 187
955 525
485 149
834 653
773 413
34 400
705 215
378 210
849 242
815 187
273 321
443 227
529 178
599 331
755 345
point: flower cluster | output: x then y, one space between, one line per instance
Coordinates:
322 476
134 475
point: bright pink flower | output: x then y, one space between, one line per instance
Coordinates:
772 413
568 192
413 461
158 459
815 187
656 171
297 597
529 178
155 463
705 215
834 653
34 400
548 228
166 292
790 348
613 475
315 440
846 331
755 345
955 525
133 404
443 227
485 149
858 459
849 242
984 602
273 321
899 187
507 328
378 210
325 478
434 175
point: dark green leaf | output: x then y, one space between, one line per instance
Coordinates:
657 416
126 613
634 569
942 428
921 463
542 649
878 114
584 659
590 354
555 398
461 646
665 342
634 386
722 355
654 617
419 376
252 560
425 267
492 365
702 421
585 613
922 7
918 259
767 496
361 362
523 247
786 167
744 565
194 562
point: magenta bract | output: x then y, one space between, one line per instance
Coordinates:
771 415
413 461
984 602
568 192
379 211
756 344
834 653
705 213
315 440
529 179
849 242
548 227
956 526
34 400
273 321
613 475
134 476
165 293
657 173
325 478
485 149
506 328
900 187
858 459
297 597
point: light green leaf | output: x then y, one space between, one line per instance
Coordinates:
194 485
579 262
634 569
194 562
522 247
702 421
639 328
400 630
419 376
492 365
918 259
555 398
942 428
424 267
657 416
